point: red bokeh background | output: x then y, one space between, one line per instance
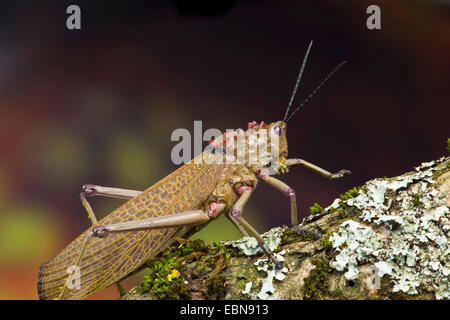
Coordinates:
98 105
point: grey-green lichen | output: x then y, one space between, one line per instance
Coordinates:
267 291
403 233
249 246
356 243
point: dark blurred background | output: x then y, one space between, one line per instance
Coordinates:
99 105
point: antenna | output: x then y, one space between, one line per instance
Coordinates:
300 74
315 90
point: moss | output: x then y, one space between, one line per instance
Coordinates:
165 281
325 240
165 284
315 209
448 144
217 287
416 199
247 272
348 212
343 214
241 284
216 283
315 283
352 193
288 236
165 287
332 209
220 249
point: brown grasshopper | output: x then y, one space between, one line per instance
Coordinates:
175 206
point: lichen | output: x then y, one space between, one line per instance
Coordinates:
248 287
333 206
407 239
355 244
267 291
249 246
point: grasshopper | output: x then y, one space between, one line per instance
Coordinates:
176 206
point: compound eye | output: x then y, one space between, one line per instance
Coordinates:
277 130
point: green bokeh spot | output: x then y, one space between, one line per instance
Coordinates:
132 162
59 156
26 234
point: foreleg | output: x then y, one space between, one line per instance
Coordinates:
322 172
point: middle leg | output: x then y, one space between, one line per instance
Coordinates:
236 215
285 189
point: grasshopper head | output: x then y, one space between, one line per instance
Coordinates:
267 144
261 145
277 131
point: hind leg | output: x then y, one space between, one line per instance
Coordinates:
90 190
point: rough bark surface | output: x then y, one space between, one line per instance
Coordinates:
388 239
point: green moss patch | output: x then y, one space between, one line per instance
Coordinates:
325 240
416 199
352 193
187 259
316 284
165 280
315 209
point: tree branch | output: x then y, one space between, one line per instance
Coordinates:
385 240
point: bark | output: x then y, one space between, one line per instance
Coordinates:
388 239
